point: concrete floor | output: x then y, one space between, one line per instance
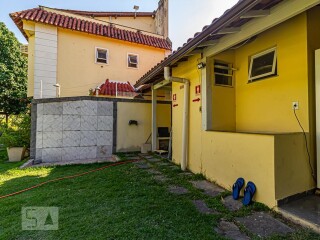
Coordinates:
307 208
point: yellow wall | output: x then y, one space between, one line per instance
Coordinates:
292 171
77 70
143 23
30 66
130 138
221 157
228 156
187 70
266 105
274 162
223 99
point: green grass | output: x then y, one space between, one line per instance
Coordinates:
121 202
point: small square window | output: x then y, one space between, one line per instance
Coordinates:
223 74
132 61
102 55
263 65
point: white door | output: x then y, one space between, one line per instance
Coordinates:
318 112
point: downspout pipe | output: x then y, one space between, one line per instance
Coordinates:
185 120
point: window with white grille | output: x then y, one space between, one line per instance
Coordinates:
223 74
263 65
102 55
133 60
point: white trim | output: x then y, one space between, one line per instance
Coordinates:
154 119
230 69
206 94
96 55
138 60
274 64
317 91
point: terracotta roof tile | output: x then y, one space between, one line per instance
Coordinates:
111 88
61 20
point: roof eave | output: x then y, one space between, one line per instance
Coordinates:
165 45
19 24
234 13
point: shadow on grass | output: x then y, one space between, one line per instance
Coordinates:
121 202
116 203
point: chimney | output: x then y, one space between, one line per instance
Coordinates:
162 18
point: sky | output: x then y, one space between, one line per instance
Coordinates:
186 17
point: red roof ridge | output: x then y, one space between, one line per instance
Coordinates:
105 13
113 88
79 24
89 17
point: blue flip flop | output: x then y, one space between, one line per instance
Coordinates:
249 191
236 188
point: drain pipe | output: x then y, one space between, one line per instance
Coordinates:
185 120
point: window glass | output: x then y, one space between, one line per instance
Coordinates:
102 56
263 65
132 61
223 73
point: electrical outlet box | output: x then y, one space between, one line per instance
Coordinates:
295 105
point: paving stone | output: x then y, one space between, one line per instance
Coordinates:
231 204
130 155
264 225
144 154
133 158
163 164
154 160
231 231
154 172
174 167
142 165
203 208
178 190
209 188
160 178
187 174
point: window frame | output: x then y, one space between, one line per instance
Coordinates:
96 55
138 60
230 70
265 75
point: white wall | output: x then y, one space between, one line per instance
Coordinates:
45 61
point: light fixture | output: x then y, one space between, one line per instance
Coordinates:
201 65
136 8
57 85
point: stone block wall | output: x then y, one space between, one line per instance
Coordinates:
77 129
73 130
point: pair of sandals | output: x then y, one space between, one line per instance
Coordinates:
249 191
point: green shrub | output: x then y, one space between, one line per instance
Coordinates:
17 134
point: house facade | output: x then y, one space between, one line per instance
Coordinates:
244 99
73 54
73 51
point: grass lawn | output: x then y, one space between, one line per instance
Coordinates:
121 202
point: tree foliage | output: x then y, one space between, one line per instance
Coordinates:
13 74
